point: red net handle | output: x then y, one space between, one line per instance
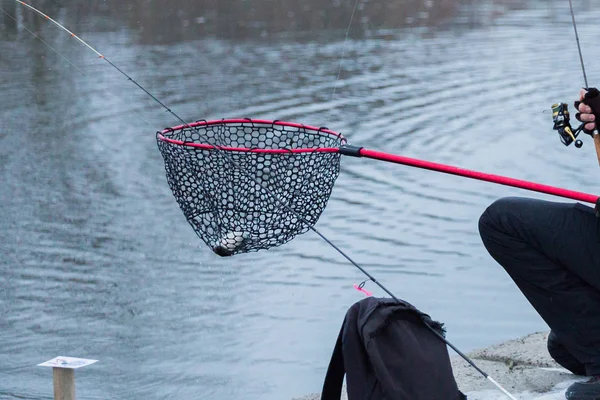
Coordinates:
502 180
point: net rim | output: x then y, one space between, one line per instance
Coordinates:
204 146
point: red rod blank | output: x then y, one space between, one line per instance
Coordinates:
502 180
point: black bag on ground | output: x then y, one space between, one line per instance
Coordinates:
387 353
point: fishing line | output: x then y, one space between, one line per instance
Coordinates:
344 49
235 165
578 45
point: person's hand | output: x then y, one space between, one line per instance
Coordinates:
585 112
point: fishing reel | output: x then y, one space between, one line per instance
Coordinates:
561 118
562 124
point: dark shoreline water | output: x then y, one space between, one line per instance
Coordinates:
174 21
97 261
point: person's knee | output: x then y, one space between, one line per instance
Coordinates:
491 218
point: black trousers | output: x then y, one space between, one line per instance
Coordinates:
551 251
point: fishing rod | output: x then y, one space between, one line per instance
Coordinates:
560 111
236 212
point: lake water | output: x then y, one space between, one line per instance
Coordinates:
97 260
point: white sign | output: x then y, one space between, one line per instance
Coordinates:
67 362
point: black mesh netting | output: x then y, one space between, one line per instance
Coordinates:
235 200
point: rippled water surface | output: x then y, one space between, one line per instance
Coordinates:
97 260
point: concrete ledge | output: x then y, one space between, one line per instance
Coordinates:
522 366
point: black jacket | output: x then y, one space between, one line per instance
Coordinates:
387 353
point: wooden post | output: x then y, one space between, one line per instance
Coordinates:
63 375
64 383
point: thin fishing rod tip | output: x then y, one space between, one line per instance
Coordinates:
510 396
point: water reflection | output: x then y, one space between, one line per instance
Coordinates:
174 21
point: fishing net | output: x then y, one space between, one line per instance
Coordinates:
246 185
